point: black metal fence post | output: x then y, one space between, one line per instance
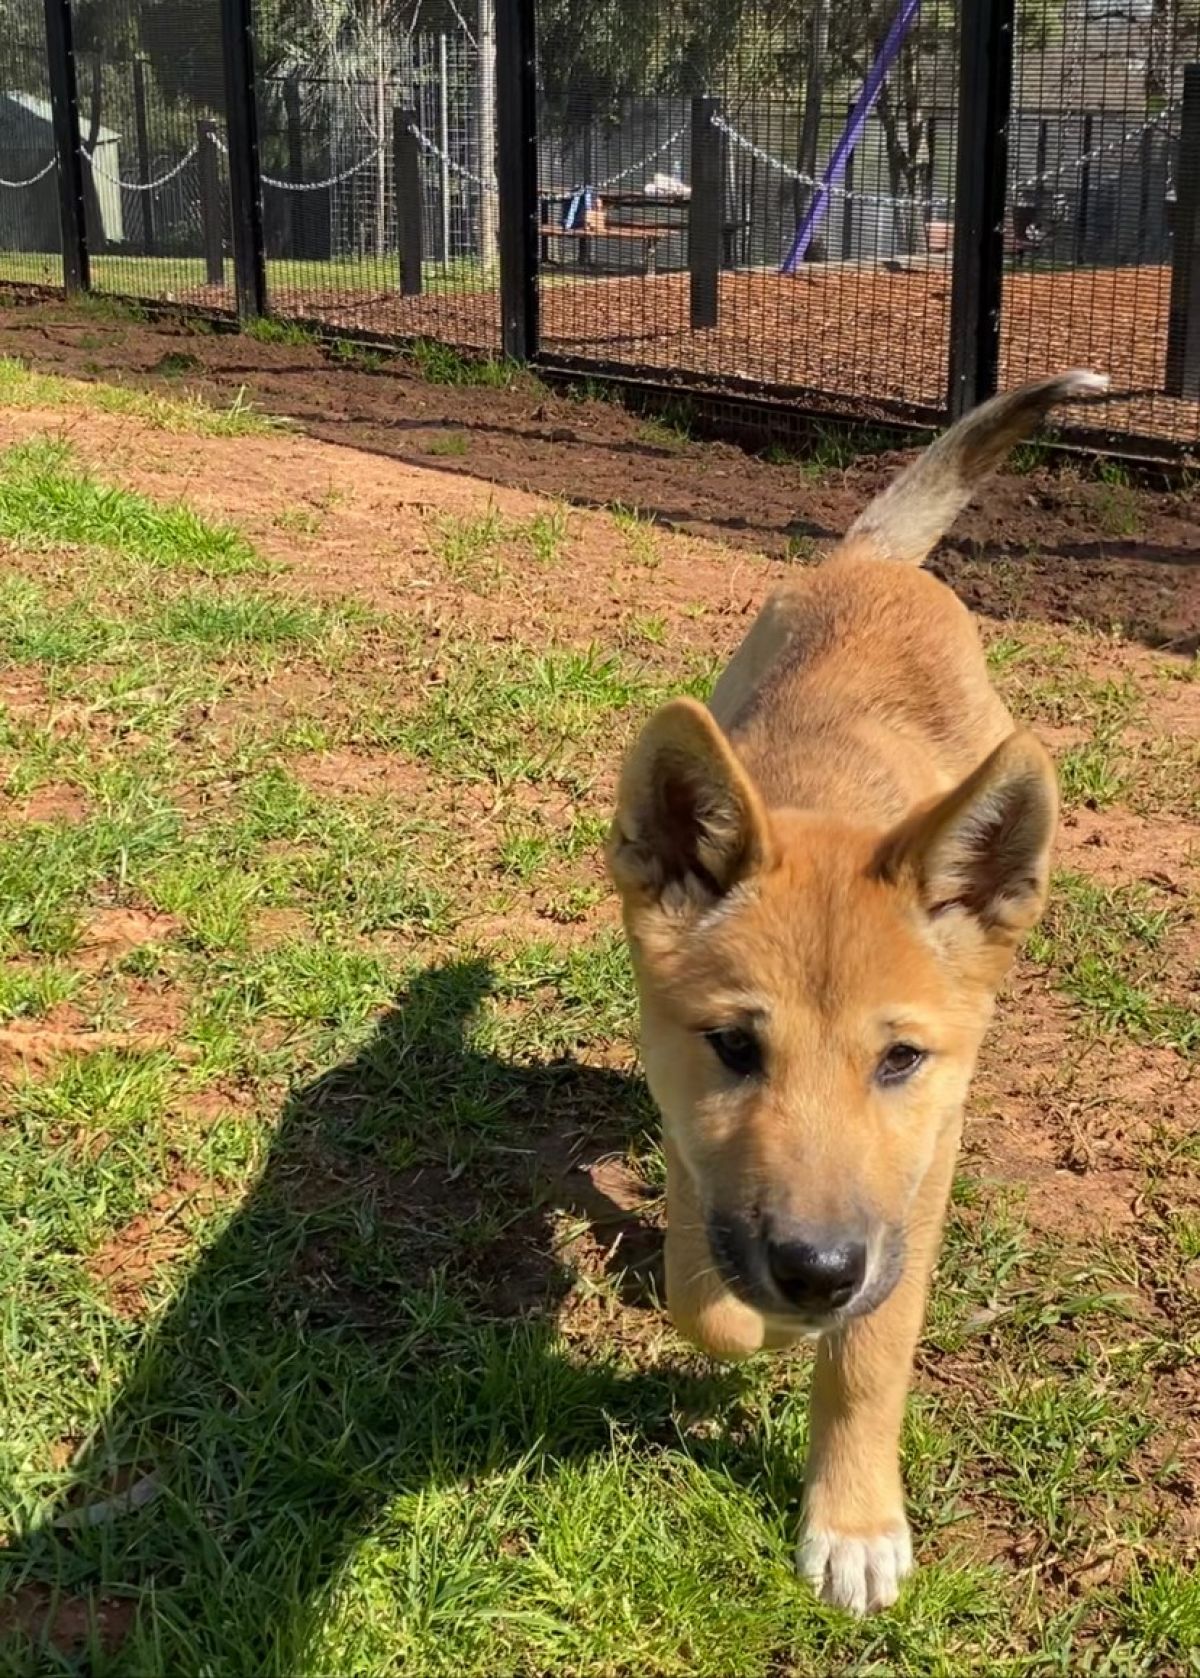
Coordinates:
1084 165
64 106
1183 318
149 242
211 220
706 213
848 197
406 156
980 190
245 184
516 177
295 156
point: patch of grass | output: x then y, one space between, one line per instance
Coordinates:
1185 1232
96 305
545 535
517 715
28 992
637 529
1092 774
175 363
298 521
441 364
358 358
453 446
651 629
23 388
1164 775
1030 457
1160 1609
47 870
232 621
671 430
469 546
1116 501
830 448
37 629
590 389
1049 1437
269 329
46 500
1105 946
802 548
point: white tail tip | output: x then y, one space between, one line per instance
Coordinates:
1081 381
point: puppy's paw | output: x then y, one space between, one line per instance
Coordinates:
859 1572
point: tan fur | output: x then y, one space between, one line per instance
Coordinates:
839 856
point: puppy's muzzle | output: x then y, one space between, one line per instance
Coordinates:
789 1269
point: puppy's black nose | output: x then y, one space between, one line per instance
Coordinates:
817 1278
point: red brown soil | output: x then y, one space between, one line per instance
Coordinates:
870 336
127 1264
1044 545
71 1625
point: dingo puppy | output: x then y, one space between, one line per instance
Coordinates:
824 876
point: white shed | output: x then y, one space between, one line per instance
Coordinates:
29 214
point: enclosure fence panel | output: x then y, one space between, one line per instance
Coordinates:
801 201
30 235
1093 154
153 134
686 221
377 142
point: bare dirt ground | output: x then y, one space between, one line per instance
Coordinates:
1048 545
869 334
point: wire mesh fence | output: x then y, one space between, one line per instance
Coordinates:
379 192
1098 91
780 92
154 171
30 237
756 196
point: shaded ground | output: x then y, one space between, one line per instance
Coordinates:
328 1186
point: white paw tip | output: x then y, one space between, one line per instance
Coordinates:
858 1574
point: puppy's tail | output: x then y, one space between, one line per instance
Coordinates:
906 521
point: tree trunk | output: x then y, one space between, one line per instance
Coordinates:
810 127
381 131
488 212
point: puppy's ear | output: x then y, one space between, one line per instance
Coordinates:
983 851
690 824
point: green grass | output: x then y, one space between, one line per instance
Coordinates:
441 364
46 499
22 388
164 278
308 1276
453 446
1107 946
638 531
517 715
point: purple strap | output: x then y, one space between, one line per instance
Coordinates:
851 134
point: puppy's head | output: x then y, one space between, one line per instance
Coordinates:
813 995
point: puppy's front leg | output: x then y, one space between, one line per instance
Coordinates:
855 1546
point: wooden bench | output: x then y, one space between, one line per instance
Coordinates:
650 235
1021 236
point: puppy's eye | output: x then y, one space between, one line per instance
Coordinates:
738 1051
899 1063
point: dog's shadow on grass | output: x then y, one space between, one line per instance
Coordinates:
368 1329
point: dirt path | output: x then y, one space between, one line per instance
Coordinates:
1047 545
